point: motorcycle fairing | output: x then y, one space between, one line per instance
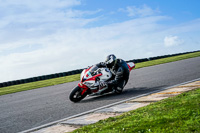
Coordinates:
131 65
82 85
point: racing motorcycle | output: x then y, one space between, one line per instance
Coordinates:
90 80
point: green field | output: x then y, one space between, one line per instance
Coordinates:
61 80
179 114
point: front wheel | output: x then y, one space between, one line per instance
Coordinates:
75 95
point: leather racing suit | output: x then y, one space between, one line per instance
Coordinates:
120 72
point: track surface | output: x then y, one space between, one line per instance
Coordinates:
29 109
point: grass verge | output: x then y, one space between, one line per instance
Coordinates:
179 114
61 80
38 84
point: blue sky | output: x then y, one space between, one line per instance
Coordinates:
51 36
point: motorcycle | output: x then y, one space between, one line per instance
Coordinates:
90 80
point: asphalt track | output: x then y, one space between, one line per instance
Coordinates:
25 110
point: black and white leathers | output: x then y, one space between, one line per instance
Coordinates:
120 73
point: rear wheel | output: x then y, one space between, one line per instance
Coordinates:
75 95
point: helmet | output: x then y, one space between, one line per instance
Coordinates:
110 60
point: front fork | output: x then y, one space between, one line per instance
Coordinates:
84 87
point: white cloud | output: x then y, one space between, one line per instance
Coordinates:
142 11
36 20
39 4
172 41
41 16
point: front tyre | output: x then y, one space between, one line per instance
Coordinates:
75 95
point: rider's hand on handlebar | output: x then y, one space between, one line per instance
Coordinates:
103 84
93 73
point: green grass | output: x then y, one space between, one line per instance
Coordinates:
167 60
180 114
61 80
38 84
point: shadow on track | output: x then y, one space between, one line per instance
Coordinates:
130 92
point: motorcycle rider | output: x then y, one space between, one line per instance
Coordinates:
119 70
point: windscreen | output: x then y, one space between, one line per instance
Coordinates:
94 68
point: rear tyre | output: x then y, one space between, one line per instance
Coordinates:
75 95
